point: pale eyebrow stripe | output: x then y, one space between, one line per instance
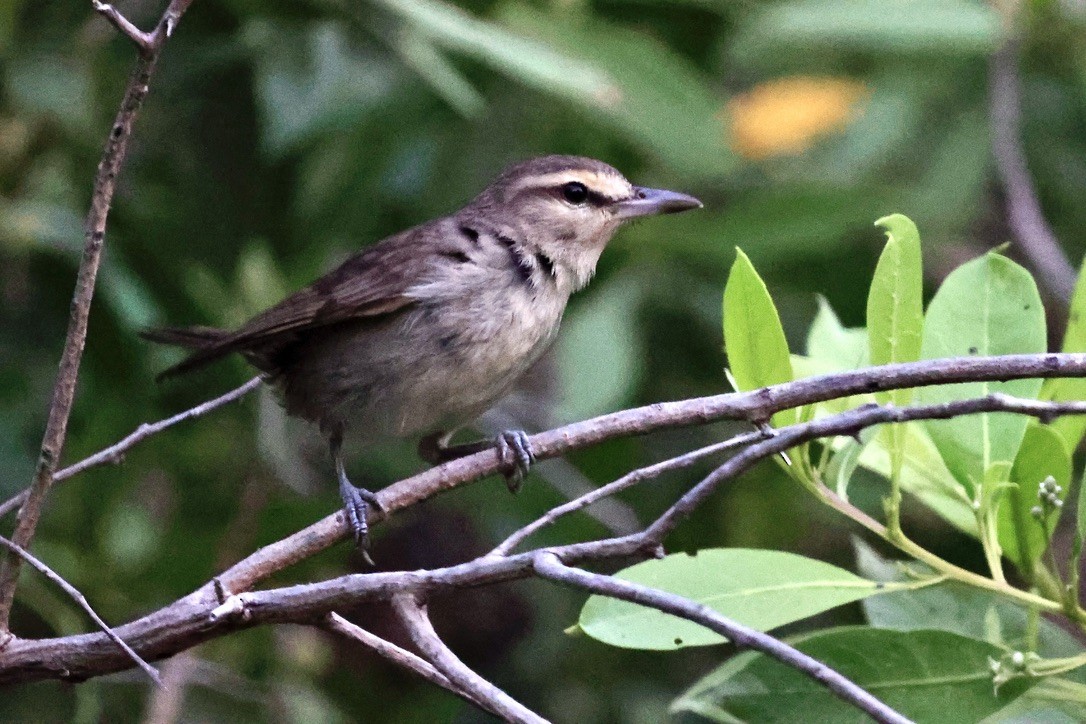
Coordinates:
603 185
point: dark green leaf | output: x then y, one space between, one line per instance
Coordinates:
928 676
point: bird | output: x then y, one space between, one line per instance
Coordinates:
420 333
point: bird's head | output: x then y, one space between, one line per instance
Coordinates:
570 206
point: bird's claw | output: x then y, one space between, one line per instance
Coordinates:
515 451
356 503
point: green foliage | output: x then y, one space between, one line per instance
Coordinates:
279 137
928 676
753 336
989 306
758 588
1072 427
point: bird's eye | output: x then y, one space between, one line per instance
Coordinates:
575 193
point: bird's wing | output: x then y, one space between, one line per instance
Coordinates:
368 284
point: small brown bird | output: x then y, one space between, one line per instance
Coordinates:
424 331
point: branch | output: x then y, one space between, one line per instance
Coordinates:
401 657
1035 237
81 600
550 566
60 407
414 618
203 614
626 481
115 453
756 407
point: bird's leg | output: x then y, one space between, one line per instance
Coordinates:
514 449
355 499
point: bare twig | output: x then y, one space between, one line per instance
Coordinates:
115 453
1035 237
401 657
414 618
626 481
60 407
81 600
550 566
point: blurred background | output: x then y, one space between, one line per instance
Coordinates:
279 137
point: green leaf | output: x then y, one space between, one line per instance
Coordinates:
753 335
830 341
1071 427
989 306
957 608
895 305
1020 534
924 474
928 676
759 588
912 27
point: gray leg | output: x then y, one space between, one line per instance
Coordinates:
355 500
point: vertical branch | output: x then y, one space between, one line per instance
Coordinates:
94 231
1035 237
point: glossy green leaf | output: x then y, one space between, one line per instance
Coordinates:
1042 454
753 335
762 589
1071 427
928 676
989 306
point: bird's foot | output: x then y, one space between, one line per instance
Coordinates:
356 502
515 451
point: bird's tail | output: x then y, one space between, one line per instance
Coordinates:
209 344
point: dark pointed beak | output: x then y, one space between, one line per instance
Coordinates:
650 202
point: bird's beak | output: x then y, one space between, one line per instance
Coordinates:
649 202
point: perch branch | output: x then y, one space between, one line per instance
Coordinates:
203 614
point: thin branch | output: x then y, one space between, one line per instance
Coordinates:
115 453
401 657
1035 237
626 481
851 423
414 618
94 230
81 600
550 566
